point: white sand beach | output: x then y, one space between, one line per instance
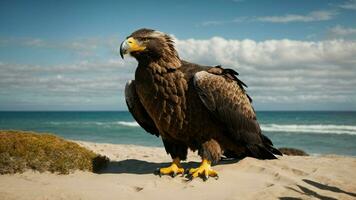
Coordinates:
130 176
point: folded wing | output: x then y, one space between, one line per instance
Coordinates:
224 96
137 110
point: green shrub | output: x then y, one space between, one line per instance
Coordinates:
22 150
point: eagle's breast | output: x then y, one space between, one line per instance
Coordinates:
163 94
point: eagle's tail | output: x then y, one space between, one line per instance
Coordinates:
263 151
269 145
259 151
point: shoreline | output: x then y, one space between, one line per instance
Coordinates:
88 145
130 176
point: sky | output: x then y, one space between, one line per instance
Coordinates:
63 55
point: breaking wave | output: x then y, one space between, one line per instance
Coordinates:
115 123
312 128
130 124
287 128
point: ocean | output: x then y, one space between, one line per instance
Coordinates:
314 132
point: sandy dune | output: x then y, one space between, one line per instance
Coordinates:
129 176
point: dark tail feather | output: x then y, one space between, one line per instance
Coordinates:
269 145
265 150
274 150
260 152
266 140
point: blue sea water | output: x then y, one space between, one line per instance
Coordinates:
315 132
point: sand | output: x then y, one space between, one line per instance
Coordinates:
130 176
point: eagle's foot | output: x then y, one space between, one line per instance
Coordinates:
172 170
204 170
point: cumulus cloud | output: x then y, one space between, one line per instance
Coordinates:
299 74
269 53
284 71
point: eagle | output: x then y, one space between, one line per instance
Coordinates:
191 106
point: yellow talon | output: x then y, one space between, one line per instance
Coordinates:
203 170
172 170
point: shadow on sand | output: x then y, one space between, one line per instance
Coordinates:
134 166
311 193
328 187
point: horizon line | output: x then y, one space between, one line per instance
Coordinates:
128 111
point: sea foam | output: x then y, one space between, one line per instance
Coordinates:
130 124
310 128
294 128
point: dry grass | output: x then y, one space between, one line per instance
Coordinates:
20 150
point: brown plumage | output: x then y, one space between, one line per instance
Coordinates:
191 106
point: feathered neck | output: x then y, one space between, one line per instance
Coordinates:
165 56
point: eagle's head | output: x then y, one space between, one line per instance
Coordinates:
149 45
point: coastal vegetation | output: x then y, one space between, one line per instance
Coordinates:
22 150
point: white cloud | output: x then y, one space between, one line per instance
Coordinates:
269 53
284 71
215 23
82 46
321 15
223 22
297 73
351 5
66 84
340 31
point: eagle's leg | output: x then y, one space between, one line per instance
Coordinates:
178 152
210 153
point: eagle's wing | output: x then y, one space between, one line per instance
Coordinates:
224 96
137 110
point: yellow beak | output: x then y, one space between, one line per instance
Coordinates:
130 45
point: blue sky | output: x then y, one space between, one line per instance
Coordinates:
62 55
